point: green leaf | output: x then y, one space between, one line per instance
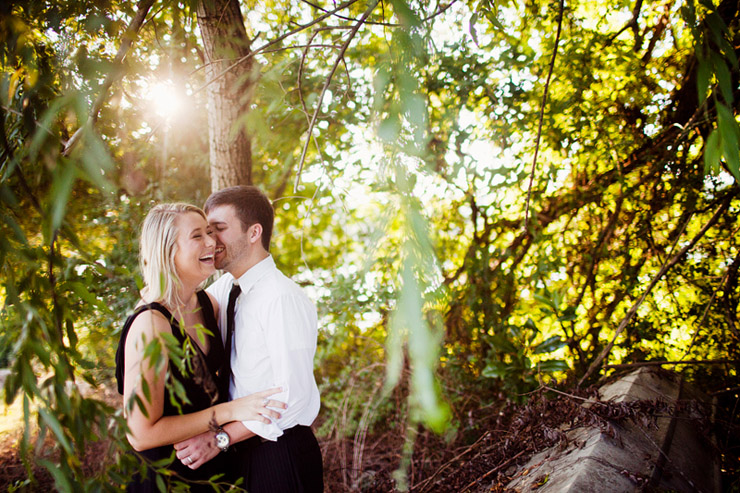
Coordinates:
61 481
17 231
140 404
473 32
516 332
56 427
170 341
201 333
549 345
703 76
47 121
496 369
64 177
414 107
178 389
7 196
552 365
707 5
730 133
145 390
723 77
568 315
165 461
81 291
389 129
688 12
712 152
405 15
502 344
422 347
95 160
160 484
545 300
492 16
720 34
153 353
71 334
381 81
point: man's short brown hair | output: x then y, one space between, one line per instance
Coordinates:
251 206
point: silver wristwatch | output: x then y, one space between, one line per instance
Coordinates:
222 440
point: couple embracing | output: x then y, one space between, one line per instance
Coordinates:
235 395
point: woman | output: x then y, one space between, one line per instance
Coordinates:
170 356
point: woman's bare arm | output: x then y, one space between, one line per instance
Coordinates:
145 379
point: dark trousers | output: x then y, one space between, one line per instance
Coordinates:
292 464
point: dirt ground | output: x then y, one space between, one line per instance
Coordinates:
482 456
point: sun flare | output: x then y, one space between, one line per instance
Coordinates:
166 99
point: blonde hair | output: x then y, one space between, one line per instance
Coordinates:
157 249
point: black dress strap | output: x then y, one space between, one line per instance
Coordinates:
121 351
209 315
217 354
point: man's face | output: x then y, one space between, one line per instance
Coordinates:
231 240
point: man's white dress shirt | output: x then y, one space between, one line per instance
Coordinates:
274 344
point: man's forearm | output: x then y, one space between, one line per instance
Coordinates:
237 432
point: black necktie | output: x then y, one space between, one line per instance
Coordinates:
233 295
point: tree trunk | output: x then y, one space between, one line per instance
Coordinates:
229 92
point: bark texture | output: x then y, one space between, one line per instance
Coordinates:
225 41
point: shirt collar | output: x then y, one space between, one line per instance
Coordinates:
255 273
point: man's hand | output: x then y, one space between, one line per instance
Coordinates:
196 451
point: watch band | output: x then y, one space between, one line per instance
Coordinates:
223 440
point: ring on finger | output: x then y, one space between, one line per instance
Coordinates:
265 401
189 459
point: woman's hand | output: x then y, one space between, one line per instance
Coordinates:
256 407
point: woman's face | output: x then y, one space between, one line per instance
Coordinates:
195 249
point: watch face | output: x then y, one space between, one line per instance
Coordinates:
222 440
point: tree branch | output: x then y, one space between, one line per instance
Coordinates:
277 40
385 24
339 59
604 236
10 156
346 18
495 469
665 268
631 24
128 39
423 485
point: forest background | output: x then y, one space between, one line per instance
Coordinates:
484 198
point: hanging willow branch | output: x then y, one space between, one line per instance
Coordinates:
542 113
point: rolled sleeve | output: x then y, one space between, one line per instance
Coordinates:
271 431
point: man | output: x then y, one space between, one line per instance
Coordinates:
273 343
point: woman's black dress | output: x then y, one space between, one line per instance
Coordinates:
204 387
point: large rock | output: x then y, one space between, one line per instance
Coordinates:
675 455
